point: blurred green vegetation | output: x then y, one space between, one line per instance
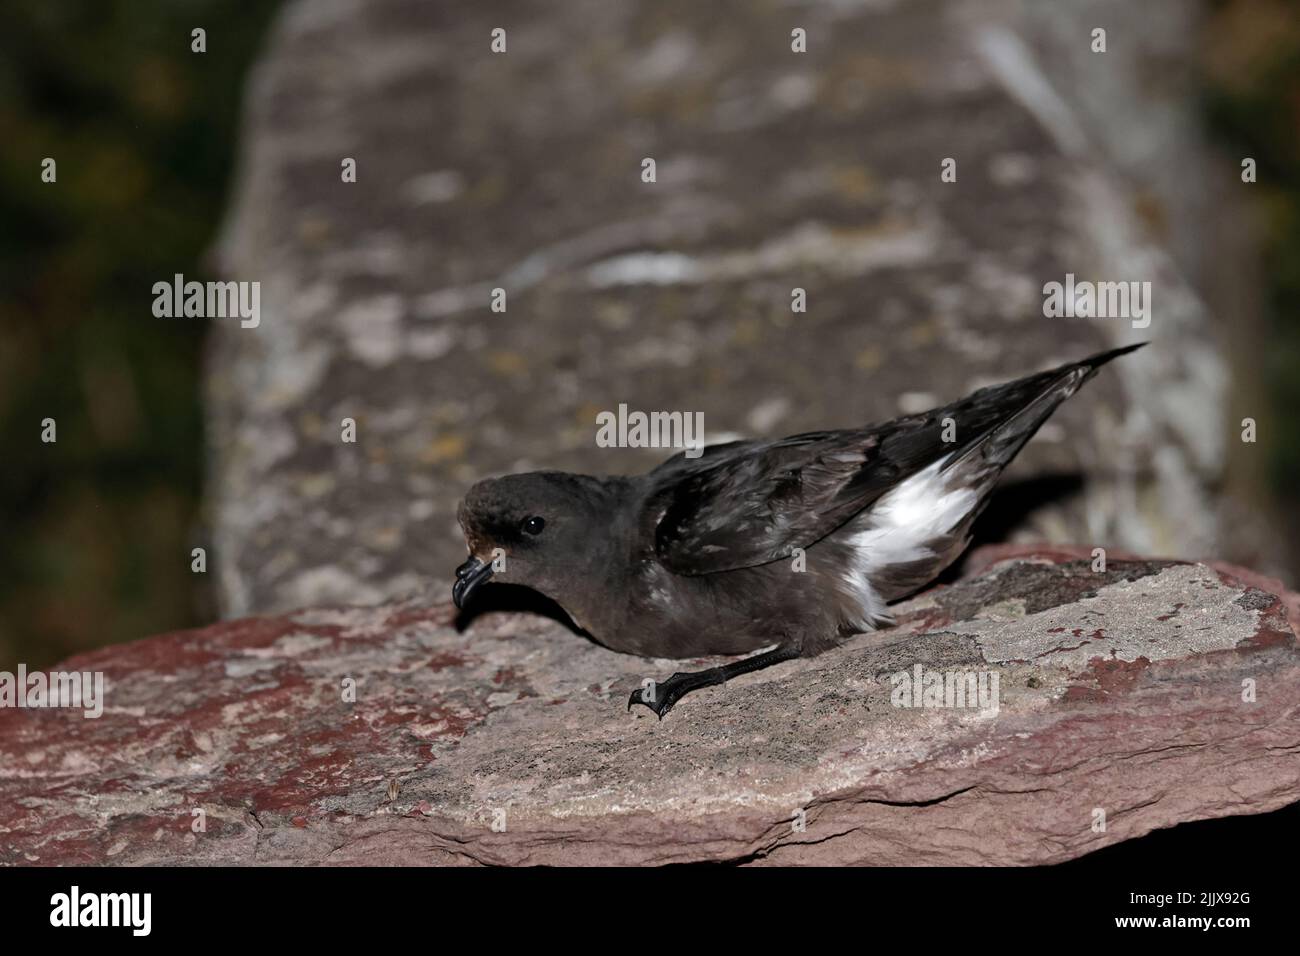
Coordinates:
97 528
1252 76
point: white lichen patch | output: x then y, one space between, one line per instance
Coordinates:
1182 611
238 669
1009 610
373 329
327 585
810 244
290 645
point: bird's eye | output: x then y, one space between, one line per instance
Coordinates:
535 524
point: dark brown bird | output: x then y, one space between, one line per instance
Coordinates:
791 545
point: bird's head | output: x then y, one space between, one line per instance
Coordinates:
547 530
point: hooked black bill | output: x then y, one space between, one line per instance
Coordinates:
468 577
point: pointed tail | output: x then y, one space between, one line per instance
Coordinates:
1028 403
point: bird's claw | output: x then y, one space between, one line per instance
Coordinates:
659 696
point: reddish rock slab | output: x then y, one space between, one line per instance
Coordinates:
1128 699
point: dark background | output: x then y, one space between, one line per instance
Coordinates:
97 529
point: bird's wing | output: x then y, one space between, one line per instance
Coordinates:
750 503
682 466
758 502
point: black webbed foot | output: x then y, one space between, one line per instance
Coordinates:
662 695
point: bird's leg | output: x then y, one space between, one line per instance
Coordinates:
660 697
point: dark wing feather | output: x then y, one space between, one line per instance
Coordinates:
761 501
749 503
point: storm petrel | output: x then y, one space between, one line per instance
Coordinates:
790 546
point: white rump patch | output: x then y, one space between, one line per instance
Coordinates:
900 528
